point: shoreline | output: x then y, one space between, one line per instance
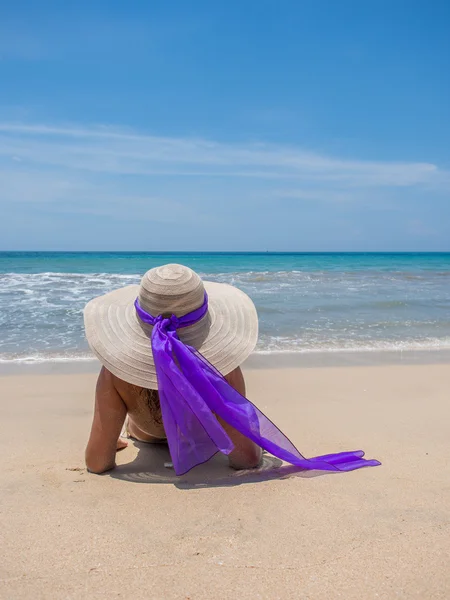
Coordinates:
258 360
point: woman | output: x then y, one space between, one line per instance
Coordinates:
171 351
115 399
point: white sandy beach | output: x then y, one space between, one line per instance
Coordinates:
140 532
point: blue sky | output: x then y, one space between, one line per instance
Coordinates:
251 125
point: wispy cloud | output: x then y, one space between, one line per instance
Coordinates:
52 193
109 150
179 192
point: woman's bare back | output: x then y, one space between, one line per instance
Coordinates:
144 412
116 400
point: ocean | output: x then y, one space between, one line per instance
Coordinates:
307 303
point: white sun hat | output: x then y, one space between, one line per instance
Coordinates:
225 336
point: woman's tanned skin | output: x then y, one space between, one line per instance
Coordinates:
114 399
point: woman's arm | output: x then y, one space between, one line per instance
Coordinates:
246 454
109 416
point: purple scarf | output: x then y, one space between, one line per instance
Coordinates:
192 391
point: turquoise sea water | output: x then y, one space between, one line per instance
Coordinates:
306 302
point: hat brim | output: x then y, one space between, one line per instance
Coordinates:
226 336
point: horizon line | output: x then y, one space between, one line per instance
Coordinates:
237 252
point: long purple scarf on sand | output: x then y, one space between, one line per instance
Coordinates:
192 392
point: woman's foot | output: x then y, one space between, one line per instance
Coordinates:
121 444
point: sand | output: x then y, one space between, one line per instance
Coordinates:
217 534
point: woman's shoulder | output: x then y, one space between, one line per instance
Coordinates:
123 387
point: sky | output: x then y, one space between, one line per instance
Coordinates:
254 125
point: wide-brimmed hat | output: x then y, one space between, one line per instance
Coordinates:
225 336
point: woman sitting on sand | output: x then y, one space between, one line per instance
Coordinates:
171 351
